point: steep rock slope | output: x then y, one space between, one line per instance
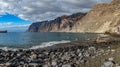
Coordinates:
101 18
61 24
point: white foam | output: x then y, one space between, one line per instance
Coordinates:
44 44
47 44
7 48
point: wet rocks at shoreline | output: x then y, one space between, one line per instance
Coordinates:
71 56
62 57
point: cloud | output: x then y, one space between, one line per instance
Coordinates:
38 10
13 25
5 24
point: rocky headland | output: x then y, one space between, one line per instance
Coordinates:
61 24
3 31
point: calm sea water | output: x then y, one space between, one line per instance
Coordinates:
28 40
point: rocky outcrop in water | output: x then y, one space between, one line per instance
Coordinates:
61 24
3 31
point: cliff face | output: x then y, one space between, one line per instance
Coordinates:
102 18
60 24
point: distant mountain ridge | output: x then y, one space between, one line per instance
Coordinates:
60 24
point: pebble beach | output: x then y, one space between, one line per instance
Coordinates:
74 54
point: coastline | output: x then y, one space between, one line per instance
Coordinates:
73 54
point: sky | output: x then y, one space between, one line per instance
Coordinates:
17 15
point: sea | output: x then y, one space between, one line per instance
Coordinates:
34 40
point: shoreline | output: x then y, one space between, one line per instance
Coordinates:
62 55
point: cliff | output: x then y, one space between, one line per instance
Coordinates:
61 24
104 17
101 18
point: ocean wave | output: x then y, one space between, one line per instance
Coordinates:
7 48
43 45
47 44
